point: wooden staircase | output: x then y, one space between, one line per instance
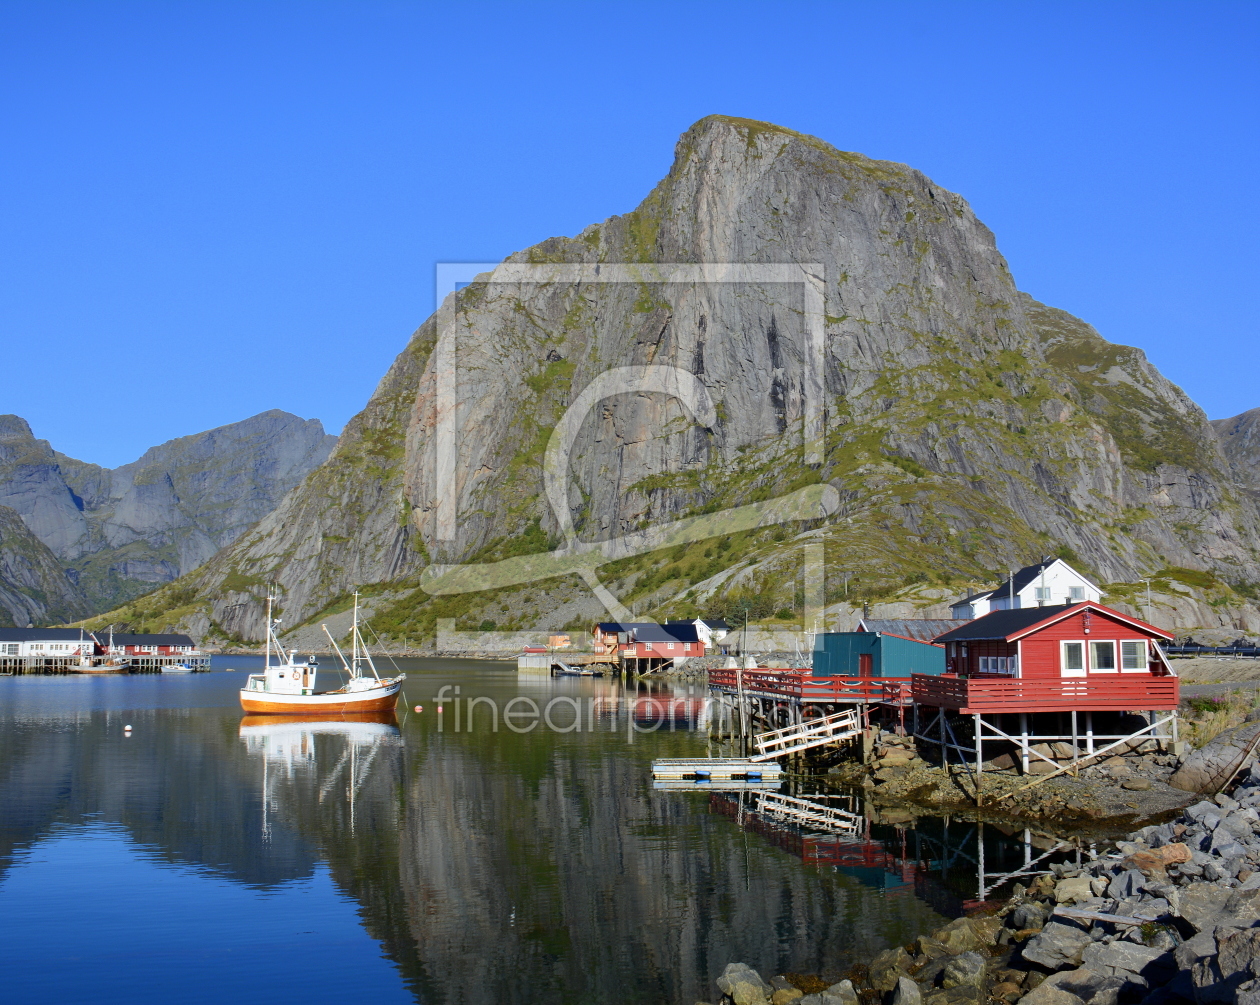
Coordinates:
808 813
803 735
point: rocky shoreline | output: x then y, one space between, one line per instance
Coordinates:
1120 791
1170 916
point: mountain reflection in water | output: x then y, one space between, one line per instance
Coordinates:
490 866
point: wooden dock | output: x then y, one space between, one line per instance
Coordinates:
715 770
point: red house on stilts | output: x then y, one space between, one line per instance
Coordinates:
1048 669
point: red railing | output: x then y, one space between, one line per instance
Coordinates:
983 695
804 685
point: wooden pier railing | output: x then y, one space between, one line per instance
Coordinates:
802 684
972 696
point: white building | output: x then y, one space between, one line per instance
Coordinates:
46 642
1049 583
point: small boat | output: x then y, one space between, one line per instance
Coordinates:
564 670
179 668
86 665
287 687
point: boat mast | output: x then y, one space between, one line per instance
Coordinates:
267 657
354 638
357 642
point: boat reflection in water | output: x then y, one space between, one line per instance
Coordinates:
337 754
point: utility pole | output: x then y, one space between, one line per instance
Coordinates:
1147 581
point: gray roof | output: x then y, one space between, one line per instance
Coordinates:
1003 624
43 634
667 633
920 629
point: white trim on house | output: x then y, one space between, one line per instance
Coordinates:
1064 669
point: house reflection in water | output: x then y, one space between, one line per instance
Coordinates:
954 866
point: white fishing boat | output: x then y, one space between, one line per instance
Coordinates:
287 687
179 668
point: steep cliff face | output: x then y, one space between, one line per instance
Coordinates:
1240 442
34 589
119 532
871 339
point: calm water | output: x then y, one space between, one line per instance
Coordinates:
209 856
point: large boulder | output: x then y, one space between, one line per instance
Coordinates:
1233 973
963 970
906 992
965 934
1084 985
744 985
887 967
1060 944
1131 963
1210 765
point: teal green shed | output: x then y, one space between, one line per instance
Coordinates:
874 654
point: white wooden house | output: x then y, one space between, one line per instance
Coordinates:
46 642
1049 583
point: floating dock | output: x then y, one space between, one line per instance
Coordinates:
716 771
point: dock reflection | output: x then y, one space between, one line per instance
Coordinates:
953 866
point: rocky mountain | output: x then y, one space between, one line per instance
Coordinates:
1240 442
119 532
34 589
778 324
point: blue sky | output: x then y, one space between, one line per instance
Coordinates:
208 209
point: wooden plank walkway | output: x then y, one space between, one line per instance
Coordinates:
810 733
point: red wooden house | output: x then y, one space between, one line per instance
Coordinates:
648 640
131 644
1072 657
1022 675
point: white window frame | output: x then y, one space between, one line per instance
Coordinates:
1074 590
1115 656
1145 656
1064 670
1007 666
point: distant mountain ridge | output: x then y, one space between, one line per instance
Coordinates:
119 532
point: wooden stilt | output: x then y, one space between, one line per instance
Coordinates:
1023 741
979 771
1075 752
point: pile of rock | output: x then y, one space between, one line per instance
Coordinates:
1170 917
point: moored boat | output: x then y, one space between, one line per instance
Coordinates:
288 687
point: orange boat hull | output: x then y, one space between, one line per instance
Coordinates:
384 718
261 706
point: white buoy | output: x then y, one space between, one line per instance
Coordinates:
127 728
419 708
